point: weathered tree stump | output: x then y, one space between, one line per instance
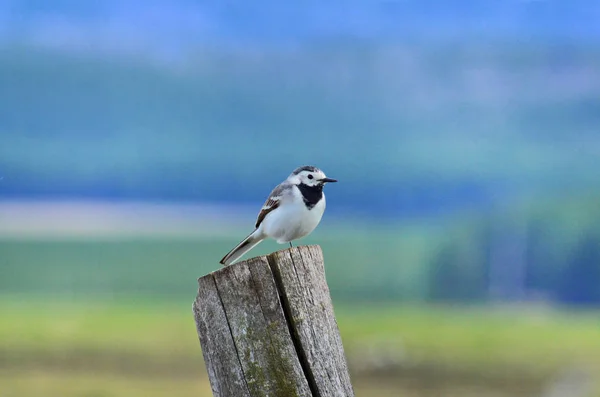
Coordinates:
267 328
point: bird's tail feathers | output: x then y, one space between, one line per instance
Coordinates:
246 245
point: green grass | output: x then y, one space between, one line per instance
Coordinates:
537 339
385 261
465 336
59 384
113 318
112 349
168 267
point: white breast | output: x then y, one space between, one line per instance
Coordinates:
292 220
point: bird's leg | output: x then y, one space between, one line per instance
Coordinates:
291 246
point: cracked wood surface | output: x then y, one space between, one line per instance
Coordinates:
267 328
300 275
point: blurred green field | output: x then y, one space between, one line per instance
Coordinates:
140 348
167 268
111 317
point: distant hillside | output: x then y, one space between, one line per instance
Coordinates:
434 126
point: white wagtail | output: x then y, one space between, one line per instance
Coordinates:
293 210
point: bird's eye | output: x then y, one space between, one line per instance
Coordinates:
310 176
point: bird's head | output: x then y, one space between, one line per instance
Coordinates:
310 176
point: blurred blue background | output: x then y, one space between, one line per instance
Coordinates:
138 141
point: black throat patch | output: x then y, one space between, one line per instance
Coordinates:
311 194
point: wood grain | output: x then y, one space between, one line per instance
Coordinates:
300 275
218 349
267 328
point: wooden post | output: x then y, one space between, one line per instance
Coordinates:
267 328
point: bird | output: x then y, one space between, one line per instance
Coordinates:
292 211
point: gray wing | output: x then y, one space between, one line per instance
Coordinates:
272 202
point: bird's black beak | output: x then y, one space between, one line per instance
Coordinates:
327 180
